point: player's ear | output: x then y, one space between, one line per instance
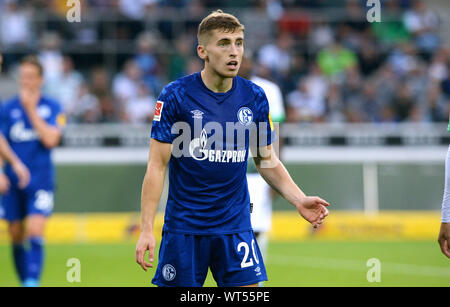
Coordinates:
202 53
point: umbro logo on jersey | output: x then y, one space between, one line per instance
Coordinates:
197 114
158 110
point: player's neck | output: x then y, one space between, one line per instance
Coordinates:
216 83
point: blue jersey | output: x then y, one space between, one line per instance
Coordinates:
208 191
24 141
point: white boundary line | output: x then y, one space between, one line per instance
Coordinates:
358 265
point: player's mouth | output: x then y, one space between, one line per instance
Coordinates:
232 65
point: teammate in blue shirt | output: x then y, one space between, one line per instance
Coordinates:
203 128
31 124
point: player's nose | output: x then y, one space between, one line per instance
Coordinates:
234 51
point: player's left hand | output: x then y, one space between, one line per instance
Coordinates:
22 173
313 209
444 239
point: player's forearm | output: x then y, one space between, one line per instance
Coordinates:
152 188
50 136
6 152
279 179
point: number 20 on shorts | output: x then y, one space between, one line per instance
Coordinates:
246 261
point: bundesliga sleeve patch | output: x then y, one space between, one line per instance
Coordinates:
270 122
61 120
158 110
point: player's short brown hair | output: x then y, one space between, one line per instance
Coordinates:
33 60
217 20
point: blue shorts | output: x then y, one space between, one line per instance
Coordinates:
17 204
184 259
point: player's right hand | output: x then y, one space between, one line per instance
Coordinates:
22 173
145 243
444 239
4 184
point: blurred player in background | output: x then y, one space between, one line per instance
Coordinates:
261 194
207 219
31 124
444 234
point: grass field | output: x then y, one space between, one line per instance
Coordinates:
306 263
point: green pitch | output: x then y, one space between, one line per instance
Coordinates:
310 263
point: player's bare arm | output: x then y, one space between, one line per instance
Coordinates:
19 168
152 188
311 208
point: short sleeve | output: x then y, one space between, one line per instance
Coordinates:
58 118
265 127
165 116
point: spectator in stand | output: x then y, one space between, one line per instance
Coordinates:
136 9
403 59
178 61
335 105
126 84
50 56
65 87
438 106
336 60
140 110
369 58
87 108
100 88
303 105
277 56
403 103
423 24
15 31
147 61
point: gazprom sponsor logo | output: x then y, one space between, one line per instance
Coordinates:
19 133
199 152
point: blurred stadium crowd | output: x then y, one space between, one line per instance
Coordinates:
330 63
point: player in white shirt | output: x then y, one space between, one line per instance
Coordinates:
261 194
444 234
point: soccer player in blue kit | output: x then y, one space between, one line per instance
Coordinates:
31 124
207 217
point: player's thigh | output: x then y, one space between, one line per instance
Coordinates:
183 260
237 261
